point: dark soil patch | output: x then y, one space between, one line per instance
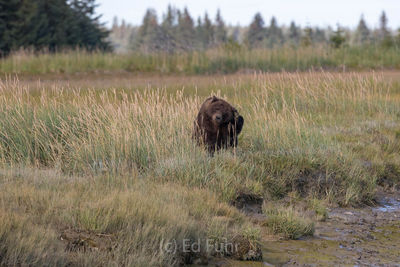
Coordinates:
390 177
315 182
84 241
248 203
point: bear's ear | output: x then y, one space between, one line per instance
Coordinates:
214 99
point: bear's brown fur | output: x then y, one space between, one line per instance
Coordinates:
217 125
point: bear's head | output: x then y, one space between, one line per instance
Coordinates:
222 114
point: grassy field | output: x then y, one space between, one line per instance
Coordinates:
101 169
227 59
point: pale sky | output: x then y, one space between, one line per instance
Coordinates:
303 12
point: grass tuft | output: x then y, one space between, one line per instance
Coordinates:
287 222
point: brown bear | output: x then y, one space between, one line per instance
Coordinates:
217 125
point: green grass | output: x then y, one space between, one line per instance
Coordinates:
288 223
117 159
221 60
319 208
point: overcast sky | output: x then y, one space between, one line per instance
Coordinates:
303 12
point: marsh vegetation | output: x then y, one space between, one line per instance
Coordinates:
111 159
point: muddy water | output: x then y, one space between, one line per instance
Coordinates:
349 237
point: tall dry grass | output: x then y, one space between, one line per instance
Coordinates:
38 206
293 126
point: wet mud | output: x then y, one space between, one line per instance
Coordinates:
368 236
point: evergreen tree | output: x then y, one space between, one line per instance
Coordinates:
220 30
256 33
169 31
294 34
199 32
318 36
338 39
8 17
92 34
115 24
208 32
383 29
274 34
50 24
235 35
186 33
384 34
362 33
46 25
398 38
306 40
148 37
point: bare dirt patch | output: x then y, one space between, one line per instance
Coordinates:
85 241
249 204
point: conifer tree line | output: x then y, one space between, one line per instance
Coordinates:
50 25
177 30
